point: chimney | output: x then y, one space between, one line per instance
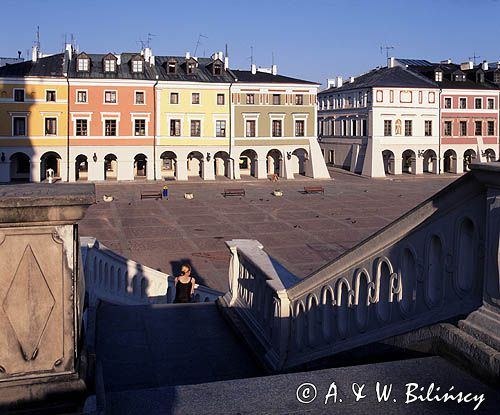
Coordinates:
390 62
467 65
226 62
188 55
148 55
69 51
446 61
34 53
485 66
254 68
351 79
118 59
330 83
19 54
338 81
274 69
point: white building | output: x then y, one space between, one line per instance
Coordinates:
383 122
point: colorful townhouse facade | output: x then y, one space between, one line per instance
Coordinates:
411 117
133 116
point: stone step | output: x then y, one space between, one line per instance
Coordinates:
278 394
484 325
167 344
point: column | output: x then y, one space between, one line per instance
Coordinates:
208 170
96 170
42 298
459 165
63 173
150 170
261 168
182 173
235 165
34 171
288 170
125 169
5 171
398 165
419 165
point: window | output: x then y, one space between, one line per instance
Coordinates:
491 103
50 96
190 68
447 128
428 128
276 99
299 128
81 96
50 126
364 129
459 77
175 128
171 67
491 127
250 128
277 130
139 97
220 99
387 128
217 69
110 128
174 97
110 97
463 103
408 128
220 128
109 65
19 126
299 99
463 128
195 128
478 103
19 95
447 102
137 66
331 156
250 99
140 127
438 76
195 98
478 127
81 128
83 65
354 128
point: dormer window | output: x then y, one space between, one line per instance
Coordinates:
496 77
459 77
190 67
217 69
480 77
83 64
109 65
438 76
137 66
171 67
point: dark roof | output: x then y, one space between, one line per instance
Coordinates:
48 66
202 73
385 77
266 78
449 69
123 71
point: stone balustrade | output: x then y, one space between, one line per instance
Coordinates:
427 267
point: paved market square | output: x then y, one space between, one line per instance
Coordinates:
302 231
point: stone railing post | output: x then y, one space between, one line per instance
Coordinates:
41 295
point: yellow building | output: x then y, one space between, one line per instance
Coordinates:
33 119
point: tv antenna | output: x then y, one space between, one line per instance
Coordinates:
150 38
37 40
474 57
251 55
387 49
198 42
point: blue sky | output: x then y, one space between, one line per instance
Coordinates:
310 39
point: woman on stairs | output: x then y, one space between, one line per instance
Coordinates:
184 285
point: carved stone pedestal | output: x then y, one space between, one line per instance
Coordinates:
41 296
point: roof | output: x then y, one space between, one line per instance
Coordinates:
428 70
385 77
47 66
123 71
202 73
266 78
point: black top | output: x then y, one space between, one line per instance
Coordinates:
183 291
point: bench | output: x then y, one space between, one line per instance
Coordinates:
233 192
151 195
314 189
